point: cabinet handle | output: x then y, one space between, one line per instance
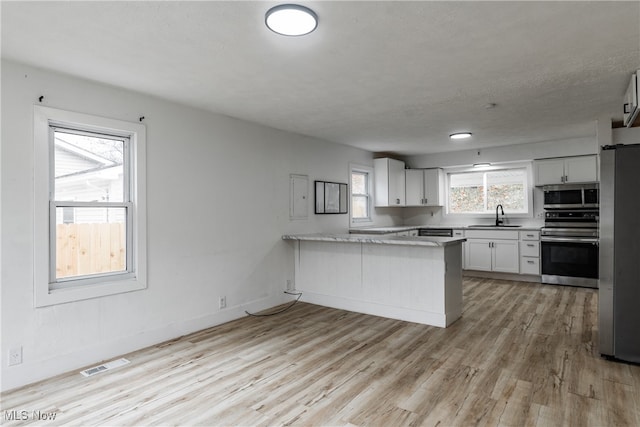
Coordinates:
425 201
397 201
530 245
530 262
624 108
529 235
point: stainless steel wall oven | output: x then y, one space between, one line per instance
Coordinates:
570 248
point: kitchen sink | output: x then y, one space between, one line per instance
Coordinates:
494 226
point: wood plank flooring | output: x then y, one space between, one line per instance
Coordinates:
522 354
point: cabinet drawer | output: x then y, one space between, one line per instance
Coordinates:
529 265
530 248
491 234
530 235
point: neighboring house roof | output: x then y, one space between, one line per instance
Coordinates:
73 160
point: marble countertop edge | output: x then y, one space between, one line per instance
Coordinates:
376 239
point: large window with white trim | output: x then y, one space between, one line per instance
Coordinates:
475 192
90 206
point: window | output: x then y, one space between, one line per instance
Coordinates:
90 207
479 192
361 194
90 203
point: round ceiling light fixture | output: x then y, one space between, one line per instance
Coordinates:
291 20
460 135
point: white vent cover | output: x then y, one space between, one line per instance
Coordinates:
104 367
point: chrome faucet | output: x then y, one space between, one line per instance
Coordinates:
499 221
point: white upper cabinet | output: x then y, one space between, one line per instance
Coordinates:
424 187
389 182
566 170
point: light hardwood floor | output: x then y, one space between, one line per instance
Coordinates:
522 354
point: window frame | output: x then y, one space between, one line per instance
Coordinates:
527 166
47 289
127 204
368 171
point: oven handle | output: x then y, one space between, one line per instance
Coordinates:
569 239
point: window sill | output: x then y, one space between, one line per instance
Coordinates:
67 295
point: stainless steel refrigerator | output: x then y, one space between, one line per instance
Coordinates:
619 269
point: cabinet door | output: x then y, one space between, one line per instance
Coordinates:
478 254
581 169
396 183
549 171
460 233
389 182
432 187
414 190
505 256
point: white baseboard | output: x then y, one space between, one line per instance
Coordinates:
502 276
30 372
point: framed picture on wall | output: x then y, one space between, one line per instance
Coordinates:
331 198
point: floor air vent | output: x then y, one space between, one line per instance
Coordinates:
104 367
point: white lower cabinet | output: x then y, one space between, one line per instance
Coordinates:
530 252
492 250
493 255
460 233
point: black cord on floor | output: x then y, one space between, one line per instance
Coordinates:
299 294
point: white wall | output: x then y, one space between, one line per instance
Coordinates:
217 204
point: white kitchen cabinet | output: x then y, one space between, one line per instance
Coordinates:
564 170
478 254
389 181
460 234
424 187
530 252
492 250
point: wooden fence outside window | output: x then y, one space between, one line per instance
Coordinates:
83 249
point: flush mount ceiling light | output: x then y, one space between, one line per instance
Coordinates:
291 20
460 135
481 165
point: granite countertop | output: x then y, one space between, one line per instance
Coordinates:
383 230
399 228
376 239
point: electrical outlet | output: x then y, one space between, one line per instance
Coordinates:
15 356
289 284
222 303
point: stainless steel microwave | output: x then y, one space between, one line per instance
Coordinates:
571 196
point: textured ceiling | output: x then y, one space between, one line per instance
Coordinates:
384 76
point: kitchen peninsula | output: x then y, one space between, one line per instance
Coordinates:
417 279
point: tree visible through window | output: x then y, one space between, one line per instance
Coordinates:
481 192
